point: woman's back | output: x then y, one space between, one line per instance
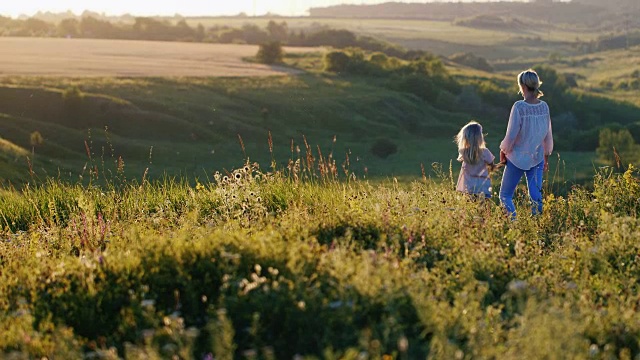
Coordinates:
528 134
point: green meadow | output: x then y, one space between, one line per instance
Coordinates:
189 125
279 264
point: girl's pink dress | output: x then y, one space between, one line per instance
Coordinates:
474 178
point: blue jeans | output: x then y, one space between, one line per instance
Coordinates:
510 179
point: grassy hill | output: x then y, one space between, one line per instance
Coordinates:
185 125
191 126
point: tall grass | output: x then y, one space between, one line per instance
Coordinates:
308 261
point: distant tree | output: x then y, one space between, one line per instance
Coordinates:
151 29
270 53
472 60
182 31
337 38
418 84
252 34
379 59
37 27
94 28
200 33
278 32
634 129
35 139
68 28
617 148
228 36
336 61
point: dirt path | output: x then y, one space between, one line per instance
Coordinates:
94 57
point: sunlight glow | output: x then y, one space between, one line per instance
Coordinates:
184 7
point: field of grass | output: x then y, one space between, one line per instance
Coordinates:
125 58
183 125
194 123
298 264
186 125
614 67
440 37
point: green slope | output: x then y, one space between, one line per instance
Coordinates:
187 125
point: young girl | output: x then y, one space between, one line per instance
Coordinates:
475 157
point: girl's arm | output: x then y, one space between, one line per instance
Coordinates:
488 156
512 131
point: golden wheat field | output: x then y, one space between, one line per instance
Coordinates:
94 57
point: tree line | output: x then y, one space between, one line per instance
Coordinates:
147 28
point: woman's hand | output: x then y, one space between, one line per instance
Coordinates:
503 157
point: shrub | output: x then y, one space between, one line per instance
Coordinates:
420 85
336 61
73 99
270 53
72 95
383 148
623 143
585 140
35 139
379 59
336 38
472 60
634 129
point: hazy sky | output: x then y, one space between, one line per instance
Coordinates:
184 7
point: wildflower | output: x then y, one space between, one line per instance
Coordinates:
251 353
517 285
403 344
147 303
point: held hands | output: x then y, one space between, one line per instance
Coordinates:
503 157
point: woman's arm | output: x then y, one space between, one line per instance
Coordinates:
547 145
548 141
512 132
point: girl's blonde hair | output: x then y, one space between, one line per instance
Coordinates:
530 80
471 141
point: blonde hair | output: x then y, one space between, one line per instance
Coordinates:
530 80
471 141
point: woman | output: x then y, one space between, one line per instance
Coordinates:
527 145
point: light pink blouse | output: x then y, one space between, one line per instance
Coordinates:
529 135
474 178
